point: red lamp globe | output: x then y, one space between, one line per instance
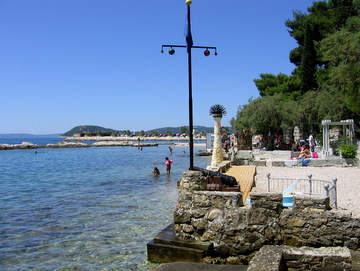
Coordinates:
206 52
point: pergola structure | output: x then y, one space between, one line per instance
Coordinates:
348 131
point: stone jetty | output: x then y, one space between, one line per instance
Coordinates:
217 227
63 144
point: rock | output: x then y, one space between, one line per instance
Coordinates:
215 214
220 218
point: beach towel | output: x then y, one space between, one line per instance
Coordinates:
291 163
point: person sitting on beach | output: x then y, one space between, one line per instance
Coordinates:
305 152
168 164
156 171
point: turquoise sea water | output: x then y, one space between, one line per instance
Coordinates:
85 209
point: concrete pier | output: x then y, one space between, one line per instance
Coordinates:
165 248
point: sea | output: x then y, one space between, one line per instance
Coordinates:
85 208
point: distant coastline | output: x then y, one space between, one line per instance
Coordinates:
133 138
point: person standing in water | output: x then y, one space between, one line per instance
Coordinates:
168 163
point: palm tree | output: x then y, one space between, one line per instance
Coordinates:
217 111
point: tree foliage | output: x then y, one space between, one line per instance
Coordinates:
342 52
326 81
309 30
308 60
184 130
265 115
270 84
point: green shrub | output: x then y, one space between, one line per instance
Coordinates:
348 150
335 145
319 139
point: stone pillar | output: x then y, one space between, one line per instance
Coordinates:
296 135
287 137
217 152
192 180
326 138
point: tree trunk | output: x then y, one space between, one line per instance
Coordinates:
269 141
245 140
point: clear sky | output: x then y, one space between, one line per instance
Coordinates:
65 63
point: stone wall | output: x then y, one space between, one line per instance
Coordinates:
342 162
235 230
276 258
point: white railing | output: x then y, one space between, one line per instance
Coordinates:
304 186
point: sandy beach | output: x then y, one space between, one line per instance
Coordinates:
348 181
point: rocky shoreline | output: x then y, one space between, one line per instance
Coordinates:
29 145
100 141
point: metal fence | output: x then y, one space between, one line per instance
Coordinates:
304 186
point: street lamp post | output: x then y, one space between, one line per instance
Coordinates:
189 45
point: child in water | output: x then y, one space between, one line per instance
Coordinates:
168 163
156 172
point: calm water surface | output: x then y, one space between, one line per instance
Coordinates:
85 209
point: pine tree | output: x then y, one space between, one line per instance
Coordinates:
308 62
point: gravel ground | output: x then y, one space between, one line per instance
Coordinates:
348 184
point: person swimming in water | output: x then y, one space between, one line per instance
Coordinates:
156 171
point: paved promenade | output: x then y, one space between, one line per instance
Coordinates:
253 178
245 176
348 181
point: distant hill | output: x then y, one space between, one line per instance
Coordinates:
87 129
94 129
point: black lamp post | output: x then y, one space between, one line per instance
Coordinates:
189 45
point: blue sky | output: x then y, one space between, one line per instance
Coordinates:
65 63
